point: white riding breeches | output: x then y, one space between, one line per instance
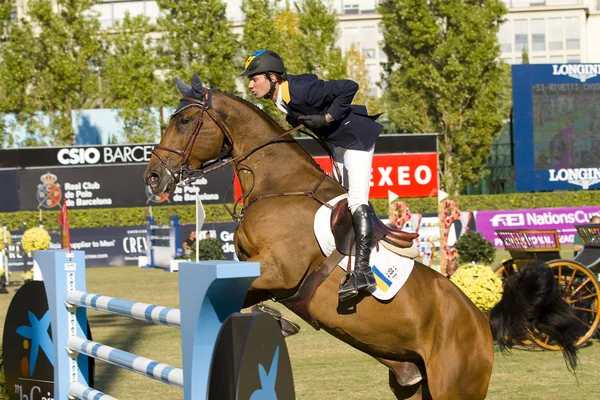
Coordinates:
355 167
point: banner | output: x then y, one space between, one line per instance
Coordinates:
561 219
556 122
9 199
111 187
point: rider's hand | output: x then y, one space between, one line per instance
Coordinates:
313 121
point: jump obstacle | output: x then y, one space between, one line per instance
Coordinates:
163 242
210 292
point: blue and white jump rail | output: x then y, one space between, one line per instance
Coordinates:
209 293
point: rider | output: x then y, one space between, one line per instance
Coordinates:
324 108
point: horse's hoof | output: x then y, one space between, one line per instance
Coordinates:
263 308
288 328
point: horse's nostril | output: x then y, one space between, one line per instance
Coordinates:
152 179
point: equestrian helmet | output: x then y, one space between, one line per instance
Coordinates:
263 61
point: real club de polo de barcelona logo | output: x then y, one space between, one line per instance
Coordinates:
48 193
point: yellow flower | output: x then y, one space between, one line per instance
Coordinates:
35 239
481 285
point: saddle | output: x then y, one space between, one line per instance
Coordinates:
343 230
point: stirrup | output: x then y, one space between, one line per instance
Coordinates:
348 287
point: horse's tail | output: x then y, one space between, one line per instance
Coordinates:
531 302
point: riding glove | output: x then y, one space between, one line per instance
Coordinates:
313 121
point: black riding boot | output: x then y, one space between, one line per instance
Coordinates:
362 277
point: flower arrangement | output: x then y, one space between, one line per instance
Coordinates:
481 285
35 239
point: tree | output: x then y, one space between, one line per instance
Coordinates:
65 50
198 38
524 56
131 84
16 72
358 72
316 46
444 75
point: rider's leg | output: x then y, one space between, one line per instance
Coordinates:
357 170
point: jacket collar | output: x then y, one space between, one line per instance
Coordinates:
284 88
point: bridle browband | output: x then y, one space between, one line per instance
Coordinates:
185 170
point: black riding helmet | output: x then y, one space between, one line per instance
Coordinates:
262 62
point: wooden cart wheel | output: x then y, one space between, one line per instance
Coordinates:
580 289
505 269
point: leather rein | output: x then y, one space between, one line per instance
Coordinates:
185 172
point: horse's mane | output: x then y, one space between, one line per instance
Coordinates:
266 117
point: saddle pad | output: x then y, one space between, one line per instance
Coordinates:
391 271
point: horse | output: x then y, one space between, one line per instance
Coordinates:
433 339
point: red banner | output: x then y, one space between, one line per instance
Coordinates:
407 175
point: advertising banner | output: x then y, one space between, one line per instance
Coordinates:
9 200
556 120
561 219
222 231
111 187
407 174
29 157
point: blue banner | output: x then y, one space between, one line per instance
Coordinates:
556 126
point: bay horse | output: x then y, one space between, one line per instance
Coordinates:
433 339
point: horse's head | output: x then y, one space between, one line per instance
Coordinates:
192 138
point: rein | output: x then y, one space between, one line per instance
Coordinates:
185 171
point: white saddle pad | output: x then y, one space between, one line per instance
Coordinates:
391 271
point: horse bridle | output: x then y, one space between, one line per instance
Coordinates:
185 171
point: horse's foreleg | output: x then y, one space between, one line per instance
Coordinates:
407 379
268 285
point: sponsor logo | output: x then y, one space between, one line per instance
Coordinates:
508 220
582 72
48 192
105 155
584 177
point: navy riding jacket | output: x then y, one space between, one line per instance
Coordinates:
352 127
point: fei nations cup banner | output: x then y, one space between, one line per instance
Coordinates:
561 219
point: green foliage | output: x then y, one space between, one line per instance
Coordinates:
3 388
129 79
65 49
472 247
316 47
444 75
216 213
208 249
198 38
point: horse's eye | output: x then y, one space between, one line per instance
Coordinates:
184 121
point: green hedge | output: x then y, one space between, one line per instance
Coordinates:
217 213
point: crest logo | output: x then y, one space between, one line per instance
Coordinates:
583 72
48 193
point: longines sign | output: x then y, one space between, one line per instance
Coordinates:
76 156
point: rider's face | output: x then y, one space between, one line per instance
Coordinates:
259 85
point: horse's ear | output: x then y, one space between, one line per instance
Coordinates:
182 87
197 84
